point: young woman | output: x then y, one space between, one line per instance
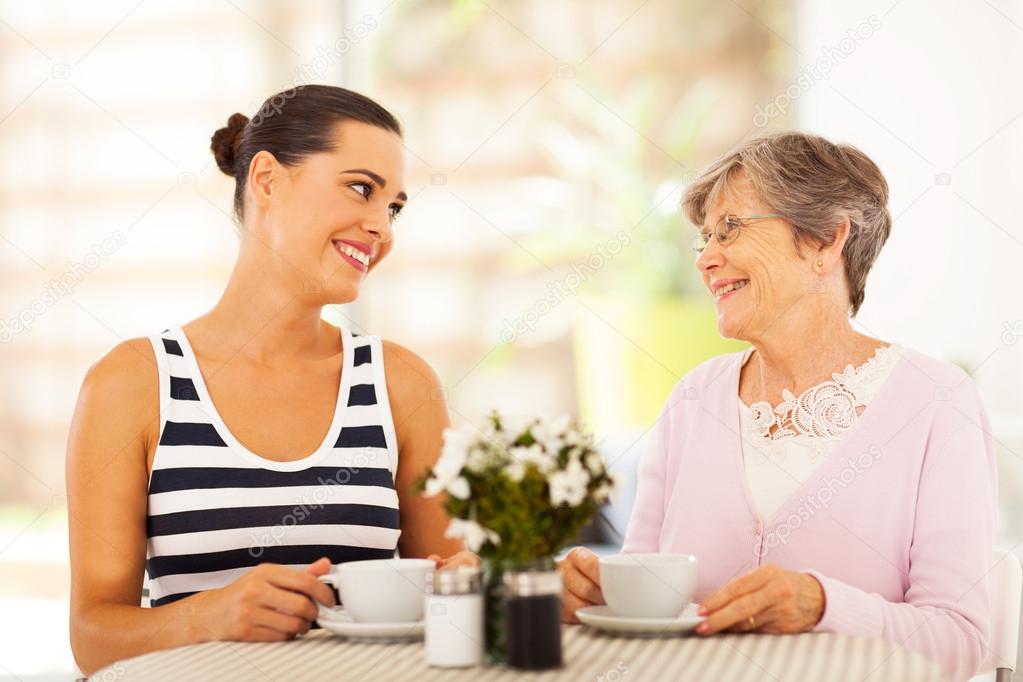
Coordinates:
236 458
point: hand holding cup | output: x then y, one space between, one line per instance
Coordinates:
580 578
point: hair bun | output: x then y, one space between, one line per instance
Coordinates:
224 143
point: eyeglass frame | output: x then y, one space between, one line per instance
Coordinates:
743 221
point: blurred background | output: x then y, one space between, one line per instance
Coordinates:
542 262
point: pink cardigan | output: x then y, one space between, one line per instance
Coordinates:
897 524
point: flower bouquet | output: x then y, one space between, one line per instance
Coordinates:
517 491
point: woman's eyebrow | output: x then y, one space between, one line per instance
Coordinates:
375 177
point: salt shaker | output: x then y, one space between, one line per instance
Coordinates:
533 619
454 618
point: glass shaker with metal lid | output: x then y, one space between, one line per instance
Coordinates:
454 618
532 605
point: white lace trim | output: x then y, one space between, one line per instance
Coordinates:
821 414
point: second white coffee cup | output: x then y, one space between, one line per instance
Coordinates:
648 585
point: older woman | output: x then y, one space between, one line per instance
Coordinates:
826 480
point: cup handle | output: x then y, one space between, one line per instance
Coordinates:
331 580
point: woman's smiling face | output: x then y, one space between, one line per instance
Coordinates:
330 218
762 262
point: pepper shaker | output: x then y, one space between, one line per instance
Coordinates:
454 618
533 619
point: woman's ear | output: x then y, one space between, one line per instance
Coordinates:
831 255
260 180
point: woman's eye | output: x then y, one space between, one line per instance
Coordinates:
362 188
395 210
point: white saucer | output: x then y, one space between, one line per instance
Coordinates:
602 618
340 623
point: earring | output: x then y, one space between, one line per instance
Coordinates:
820 264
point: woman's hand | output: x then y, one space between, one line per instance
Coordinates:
456 560
270 603
780 601
580 576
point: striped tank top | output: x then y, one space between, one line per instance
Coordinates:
215 509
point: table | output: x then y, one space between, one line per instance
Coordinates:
588 655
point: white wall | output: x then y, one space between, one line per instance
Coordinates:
931 91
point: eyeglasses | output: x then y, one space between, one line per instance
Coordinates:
726 230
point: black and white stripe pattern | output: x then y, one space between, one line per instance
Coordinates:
216 509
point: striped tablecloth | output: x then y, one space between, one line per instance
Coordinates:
587 655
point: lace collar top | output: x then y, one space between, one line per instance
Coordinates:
819 416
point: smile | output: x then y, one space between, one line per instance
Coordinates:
355 257
720 292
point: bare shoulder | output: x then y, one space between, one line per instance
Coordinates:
120 392
130 367
407 373
416 397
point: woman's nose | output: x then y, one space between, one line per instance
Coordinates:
711 257
379 227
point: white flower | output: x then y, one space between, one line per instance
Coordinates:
595 463
569 486
535 455
473 534
457 443
447 472
457 486
478 460
513 426
609 489
516 471
574 437
550 433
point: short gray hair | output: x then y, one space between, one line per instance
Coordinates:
815 184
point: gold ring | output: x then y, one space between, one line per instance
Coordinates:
752 623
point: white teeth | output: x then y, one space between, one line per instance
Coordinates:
353 252
718 293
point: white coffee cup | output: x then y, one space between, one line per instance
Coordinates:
648 585
381 590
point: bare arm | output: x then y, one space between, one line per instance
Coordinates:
114 428
420 417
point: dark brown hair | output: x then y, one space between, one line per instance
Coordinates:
292 125
816 184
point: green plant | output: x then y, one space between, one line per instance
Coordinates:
518 491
